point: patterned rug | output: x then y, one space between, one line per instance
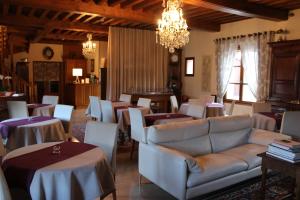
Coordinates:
279 187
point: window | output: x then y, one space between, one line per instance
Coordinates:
189 66
238 88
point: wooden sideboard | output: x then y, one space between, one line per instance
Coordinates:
285 75
78 94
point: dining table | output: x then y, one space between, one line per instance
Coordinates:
60 170
19 132
164 118
38 109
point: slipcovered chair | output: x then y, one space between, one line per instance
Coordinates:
4 190
144 102
95 107
138 129
53 100
230 110
290 124
174 104
196 111
17 109
125 98
261 107
108 114
103 135
203 99
64 113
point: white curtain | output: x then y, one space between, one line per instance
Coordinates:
225 54
256 62
135 62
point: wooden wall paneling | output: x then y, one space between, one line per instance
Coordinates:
74 63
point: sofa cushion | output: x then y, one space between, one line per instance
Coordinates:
247 152
229 132
215 166
190 137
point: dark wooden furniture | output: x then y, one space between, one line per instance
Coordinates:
290 169
78 94
174 73
160 99
285 74
103 82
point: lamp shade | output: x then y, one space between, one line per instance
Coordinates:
77 72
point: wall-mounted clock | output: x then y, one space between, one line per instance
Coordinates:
48 53
174 58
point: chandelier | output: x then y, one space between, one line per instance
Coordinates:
89 47
172 27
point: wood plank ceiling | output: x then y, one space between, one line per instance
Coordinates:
70 20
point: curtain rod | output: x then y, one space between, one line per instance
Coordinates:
245 35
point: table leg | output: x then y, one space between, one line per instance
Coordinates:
263 181
114 195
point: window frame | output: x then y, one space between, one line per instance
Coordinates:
193 66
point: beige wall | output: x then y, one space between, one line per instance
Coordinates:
201 44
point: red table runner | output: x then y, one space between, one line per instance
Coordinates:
150 119
6 127
19 171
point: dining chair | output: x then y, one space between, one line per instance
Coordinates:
290 123
47 99
125 98
4 190
196 111
103 135
138 127
95 107
174 104
261 107
108 114
64 113
230 110
17 109
144 102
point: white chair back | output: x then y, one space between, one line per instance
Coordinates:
103 135
144 102
174 104
261 107
196 111
108 114
53 100
4 190
95 107
203 99
290 124
125 98
137 124
17 109
64 113
230 110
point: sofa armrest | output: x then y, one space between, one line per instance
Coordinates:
165 167
263 137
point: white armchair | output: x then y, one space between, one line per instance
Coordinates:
64 113
17 109
290 123
196 111
108 114
50 99
95 107
144 102
125 98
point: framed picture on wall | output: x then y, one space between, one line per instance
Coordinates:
189 66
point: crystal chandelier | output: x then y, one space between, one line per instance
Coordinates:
89 47
172 27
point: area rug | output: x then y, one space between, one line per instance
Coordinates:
278 187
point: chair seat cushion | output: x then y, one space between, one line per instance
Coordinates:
215 166
247 153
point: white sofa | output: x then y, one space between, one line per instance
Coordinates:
188 159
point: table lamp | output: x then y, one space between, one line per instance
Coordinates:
77 72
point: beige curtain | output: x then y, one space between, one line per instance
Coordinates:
135 62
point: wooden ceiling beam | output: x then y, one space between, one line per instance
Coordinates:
242 8
145 4
129 3
114 2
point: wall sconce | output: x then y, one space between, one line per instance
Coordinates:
77 72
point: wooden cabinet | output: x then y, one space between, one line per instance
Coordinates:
74 63
174 73
78 94
285 74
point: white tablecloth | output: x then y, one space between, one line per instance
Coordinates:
82 177
260 121
47 131
215 109
43 111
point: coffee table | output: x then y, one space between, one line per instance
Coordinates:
282 166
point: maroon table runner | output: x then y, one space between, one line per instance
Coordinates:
276 116
19 171
31 107
6 127
150 119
